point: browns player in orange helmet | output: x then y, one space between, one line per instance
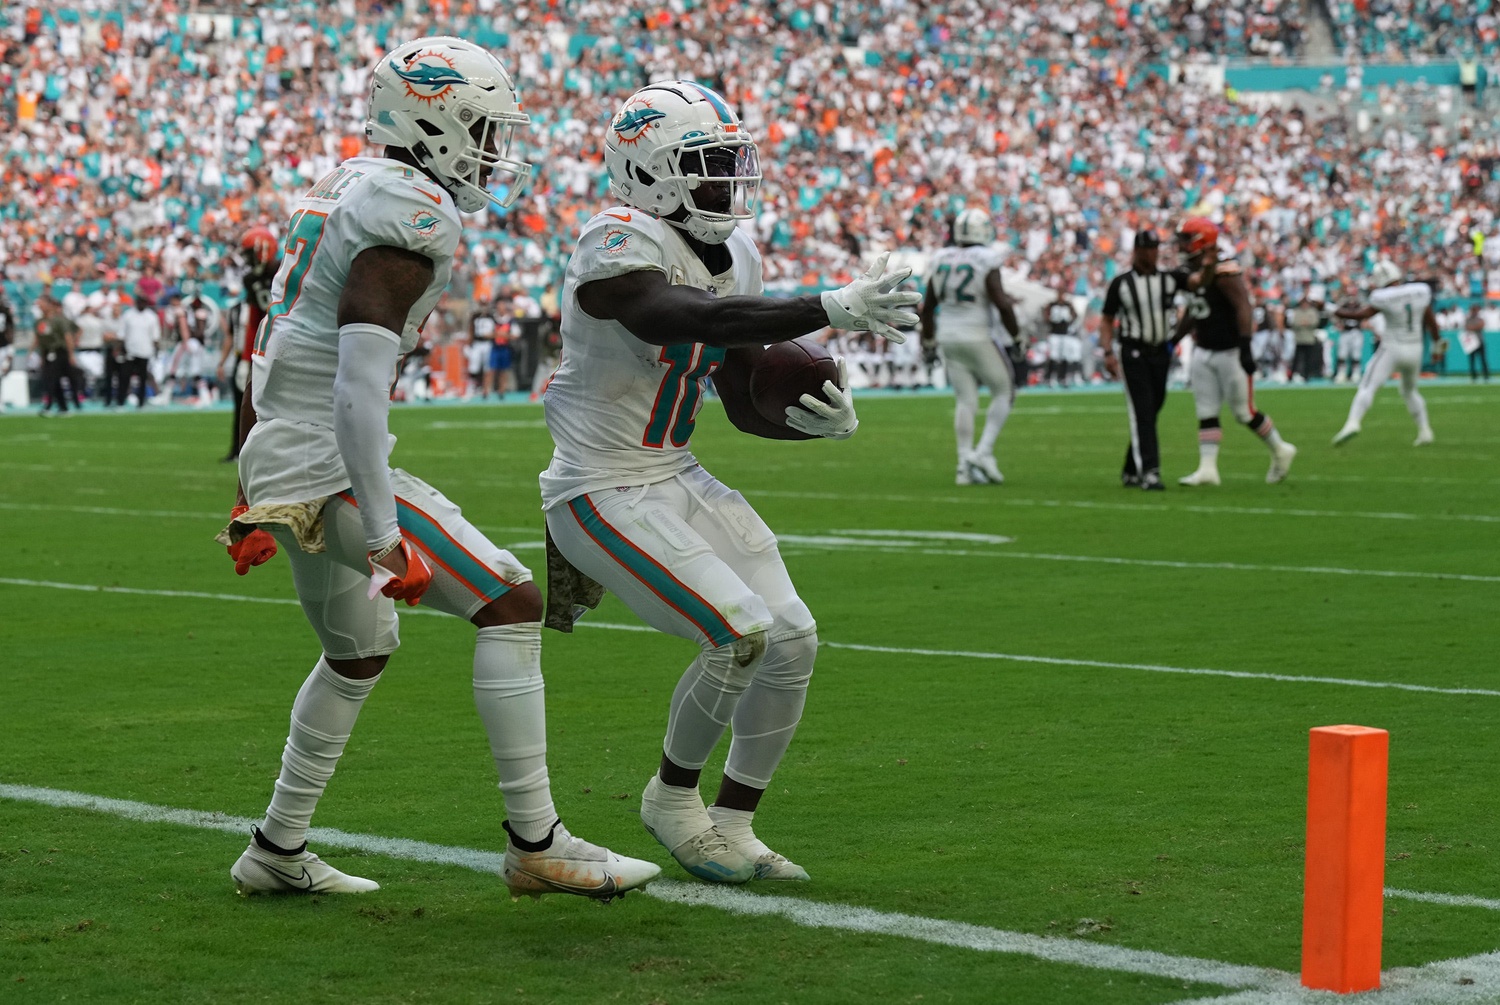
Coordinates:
260 254
1221 320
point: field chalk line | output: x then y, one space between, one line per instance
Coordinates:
852 646
871 540
1433 983
808 914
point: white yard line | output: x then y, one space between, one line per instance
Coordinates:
806 913
998 497
1445 899
825 543
1472 980
853 646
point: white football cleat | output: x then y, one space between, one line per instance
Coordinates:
1343 436
983 469
1281 463
962 476
262 871
1203 476
1424 437
680 821
735 826
572 865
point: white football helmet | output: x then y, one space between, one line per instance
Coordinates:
973 226
455 108
677 144
1385 273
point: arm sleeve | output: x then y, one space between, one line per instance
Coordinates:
361 406
609 248
1112 298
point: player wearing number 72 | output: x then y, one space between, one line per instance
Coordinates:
662 293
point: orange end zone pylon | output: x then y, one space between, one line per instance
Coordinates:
1344 881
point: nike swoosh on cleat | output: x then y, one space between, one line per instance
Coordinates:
302 882
622 219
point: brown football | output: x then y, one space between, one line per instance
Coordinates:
786 372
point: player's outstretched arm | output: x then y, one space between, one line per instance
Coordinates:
659 313
1004 302
1361 312
927 315
732 381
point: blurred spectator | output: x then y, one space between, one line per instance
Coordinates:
140 333
55 342
1305 321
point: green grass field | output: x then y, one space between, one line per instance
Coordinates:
1092 797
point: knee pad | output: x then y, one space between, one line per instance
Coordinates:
789 660
734 665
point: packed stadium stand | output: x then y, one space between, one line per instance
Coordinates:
144 138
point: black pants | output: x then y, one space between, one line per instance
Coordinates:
55 367
1478 359
239 398
114 372
1144 368
1308 361
137 368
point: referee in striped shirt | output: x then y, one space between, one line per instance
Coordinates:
1139 309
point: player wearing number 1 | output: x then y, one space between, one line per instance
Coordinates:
1407 309
662 293
368 253
963 312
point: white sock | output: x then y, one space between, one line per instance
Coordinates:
322 718
735 826
1363 399
705 699
510 697
1208 454
1417 406
963 429
994 421
766 717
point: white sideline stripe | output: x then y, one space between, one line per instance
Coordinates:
809 914
855 646
1158 668
873 542
834 544
1445 899
998 498
1434 984
114 511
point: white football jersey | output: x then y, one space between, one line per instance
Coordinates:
1402 307
291 454
956 277
621 411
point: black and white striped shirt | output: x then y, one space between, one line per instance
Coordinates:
1142 306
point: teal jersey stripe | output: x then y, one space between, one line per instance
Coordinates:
481 580
645 568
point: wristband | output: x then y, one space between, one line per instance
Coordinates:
376 556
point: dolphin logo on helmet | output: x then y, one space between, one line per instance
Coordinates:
631 124
431 71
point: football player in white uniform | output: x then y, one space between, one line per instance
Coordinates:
662 293
368 252
1407 311
963 311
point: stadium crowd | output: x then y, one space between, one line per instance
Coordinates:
143 142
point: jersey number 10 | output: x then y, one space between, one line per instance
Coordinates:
676 405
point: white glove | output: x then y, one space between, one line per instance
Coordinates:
833 419
872 304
